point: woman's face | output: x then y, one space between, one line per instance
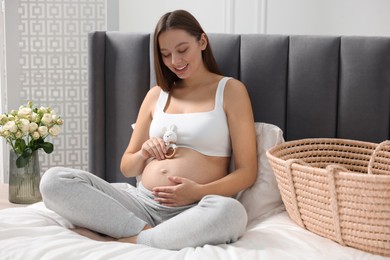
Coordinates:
181 52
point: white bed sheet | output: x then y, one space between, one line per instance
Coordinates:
35 232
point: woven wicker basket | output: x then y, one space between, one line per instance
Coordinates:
338 189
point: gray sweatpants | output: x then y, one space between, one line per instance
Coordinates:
88 201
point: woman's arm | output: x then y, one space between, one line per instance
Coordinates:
139 149
242 133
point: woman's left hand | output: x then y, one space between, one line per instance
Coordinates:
183 192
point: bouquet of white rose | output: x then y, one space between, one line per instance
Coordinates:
25 130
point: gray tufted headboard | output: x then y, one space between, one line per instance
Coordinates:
309 86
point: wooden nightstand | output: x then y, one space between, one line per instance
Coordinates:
4 202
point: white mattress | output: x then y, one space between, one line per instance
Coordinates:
35 232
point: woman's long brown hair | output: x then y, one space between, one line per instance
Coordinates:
179 19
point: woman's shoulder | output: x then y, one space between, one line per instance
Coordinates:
235 86
235 92
154 92
152 96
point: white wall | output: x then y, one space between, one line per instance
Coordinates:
330 17
319 17
219 16
3 164
142 16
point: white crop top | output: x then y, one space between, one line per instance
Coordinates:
205 132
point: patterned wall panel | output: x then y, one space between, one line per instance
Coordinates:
53 68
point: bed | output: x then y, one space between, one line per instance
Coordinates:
300 87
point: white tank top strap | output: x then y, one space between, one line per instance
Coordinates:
220 91
162 101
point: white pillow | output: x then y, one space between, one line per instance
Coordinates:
263 197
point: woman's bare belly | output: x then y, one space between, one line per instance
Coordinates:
187 163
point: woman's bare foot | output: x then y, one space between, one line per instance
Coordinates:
92 235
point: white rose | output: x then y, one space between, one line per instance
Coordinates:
3 118
60 121
24 112
6 133
11 126
55 130
54 117
34 117
43 130
24 125
46 119
19 134
43 109
33 127
35 135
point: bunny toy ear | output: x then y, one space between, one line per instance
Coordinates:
172 128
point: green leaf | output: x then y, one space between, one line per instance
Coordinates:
22 161
20 146
35 144
27 153
47 147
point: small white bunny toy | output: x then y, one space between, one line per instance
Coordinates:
170 138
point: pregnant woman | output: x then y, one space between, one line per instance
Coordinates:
188 129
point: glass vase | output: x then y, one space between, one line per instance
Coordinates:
24 182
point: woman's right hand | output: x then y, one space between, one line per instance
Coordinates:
154 147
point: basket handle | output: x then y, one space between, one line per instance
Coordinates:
379 147
294 201
332 169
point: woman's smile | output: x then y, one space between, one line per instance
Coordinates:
180 70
